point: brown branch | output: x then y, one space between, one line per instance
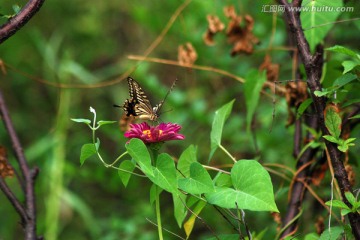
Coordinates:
28 219
313 66
13 200
298 189
18 21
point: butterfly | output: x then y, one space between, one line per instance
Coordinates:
138 105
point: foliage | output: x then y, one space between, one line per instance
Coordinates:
73 55
249 187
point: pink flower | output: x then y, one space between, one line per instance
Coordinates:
154 134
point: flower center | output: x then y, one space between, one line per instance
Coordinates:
148 133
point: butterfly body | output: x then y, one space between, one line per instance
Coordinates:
138 105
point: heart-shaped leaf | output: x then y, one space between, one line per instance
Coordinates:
164 174
199 181
253 189
128 166
140 154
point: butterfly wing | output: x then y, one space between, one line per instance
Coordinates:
138 105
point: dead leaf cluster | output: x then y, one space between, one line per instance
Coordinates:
239 31
187 54
5 169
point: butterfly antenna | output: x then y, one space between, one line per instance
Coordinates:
116 106
167 111
167 94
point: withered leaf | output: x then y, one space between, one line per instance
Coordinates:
272 69
5 168
215 26
187 54
241 37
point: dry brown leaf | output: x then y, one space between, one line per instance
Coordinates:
215 26
2 67
229 12
5 168
277 219
319 225
296 93
272 69
240 36
187 54
319 174
351 174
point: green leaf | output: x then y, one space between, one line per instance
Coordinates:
81 120
344 50
333 234
189 224
355 117
310 236
101 122
252 87
164 174
324 92
337 204
350 197
140 154
331 139
126 165
303 106
253 189
343 147
186 159
223 180
345 211
314 17
87 150
199 181
344 79
217 126
97 144
180 211
16 8
333 121
350 140
345 144
349 65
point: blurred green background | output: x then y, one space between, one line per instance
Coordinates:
88 42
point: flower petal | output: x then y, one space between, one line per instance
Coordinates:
153 134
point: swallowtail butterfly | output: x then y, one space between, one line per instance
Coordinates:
138 105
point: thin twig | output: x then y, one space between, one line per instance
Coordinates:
28 175
198 217
123 76
13 200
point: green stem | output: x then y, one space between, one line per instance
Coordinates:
116 160
158 215
227 153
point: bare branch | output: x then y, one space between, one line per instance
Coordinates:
28 175
15 23
13 200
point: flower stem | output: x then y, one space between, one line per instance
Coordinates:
158 215
116 160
